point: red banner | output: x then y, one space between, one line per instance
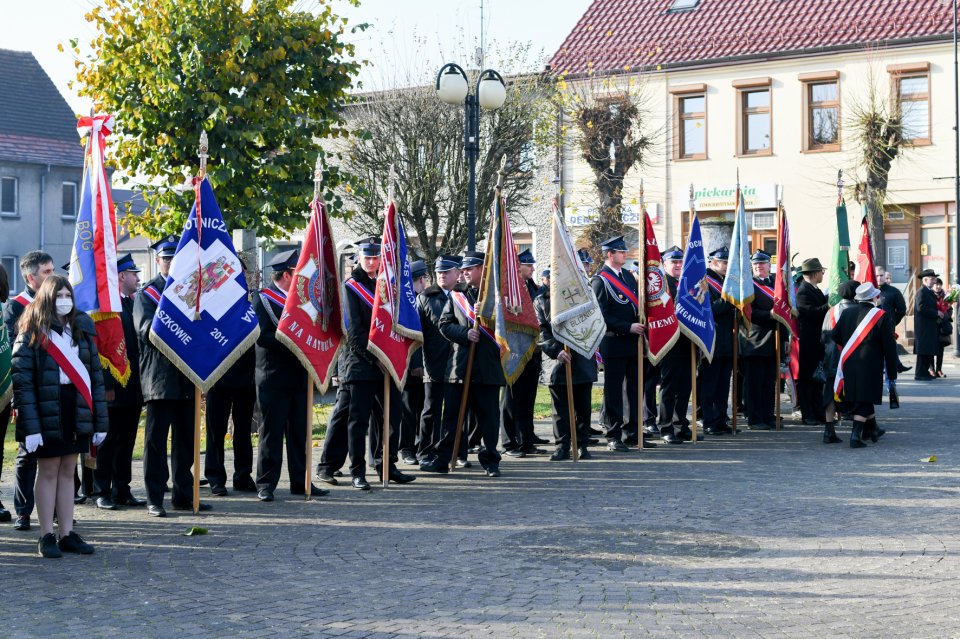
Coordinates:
865 270
784 295
312 322
662 326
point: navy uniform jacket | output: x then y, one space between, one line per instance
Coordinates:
159 378
723 317
757 340
12 311
680 348
356 363
619 313
277 367
436 348
812 307
454 325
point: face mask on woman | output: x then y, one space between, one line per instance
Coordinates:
64 305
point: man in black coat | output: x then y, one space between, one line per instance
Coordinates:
413 390
111 478
437 353
457 324
926 319
516 402
35 267
169 399
675 367
757 349
862 367
714 376
892 303
233 396
616 291
812 307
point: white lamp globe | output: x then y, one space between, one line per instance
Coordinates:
491 93
451 86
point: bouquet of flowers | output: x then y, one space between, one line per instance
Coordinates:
953 295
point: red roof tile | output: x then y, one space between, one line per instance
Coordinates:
625 35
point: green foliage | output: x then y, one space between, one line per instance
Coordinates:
264 80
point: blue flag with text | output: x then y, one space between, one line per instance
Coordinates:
205 320
692 305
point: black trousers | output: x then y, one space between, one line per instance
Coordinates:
173 417
221 404
561 412
810 397
112 476
923 366
375 427
357 403
413 398
473 434
516 409
675 387
621 422
759 383
483 402
283 416
651 378
335 443
431 418
4 422
714 390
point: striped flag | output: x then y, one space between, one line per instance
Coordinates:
738 285
93 263
784 294
395 330
693 307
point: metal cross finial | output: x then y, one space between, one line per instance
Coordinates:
317 177
840 183
501 172
204 147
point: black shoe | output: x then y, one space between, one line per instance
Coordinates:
856 434
686 434
203 508
400 478
652 430
360 483
901 368
327 478
218 490
48 548
830 434
587 441
667 436
533 450
648 444
617 446
5 515
314 491
265 495
74 543
245 485
22 522
493 471
514 452
434 466
540 441
130 501
760 426
105 503
156 511
79 499
409 459
560 454
583 453
464 463
338 473
474 450
630 442
594 431
716 432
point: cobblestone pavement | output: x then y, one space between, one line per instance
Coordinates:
763 535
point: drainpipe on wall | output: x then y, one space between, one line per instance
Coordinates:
43 212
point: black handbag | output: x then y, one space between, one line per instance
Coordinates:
819 374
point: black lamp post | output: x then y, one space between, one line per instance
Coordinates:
491 92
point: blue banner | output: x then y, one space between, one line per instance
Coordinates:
738 284
205 321
83 267
692 305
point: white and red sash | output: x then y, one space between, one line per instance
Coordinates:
152 292
464 305
59 348
361 291
871 319
23 299
833 315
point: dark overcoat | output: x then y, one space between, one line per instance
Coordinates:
925 319
863 372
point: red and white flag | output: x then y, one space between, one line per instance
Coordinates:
864 271
663 329
784 295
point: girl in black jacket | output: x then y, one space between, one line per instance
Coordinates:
61 404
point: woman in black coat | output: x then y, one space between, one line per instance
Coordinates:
926 331
863 370
61 404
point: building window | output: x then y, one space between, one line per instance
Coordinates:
69 194
913 100
682 5
755 125
692 126
823 116
12 266
8 196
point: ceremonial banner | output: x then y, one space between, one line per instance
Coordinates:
784 293
837 271
311 324
738 285
204 320
662 326
395 330
6 368
93 263
693 308
865 270
574 312
504 306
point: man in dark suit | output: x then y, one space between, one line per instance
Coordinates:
111 479
926 332
281 390
616 291
675 382
757 350
413 390
714 376
892 303
812 307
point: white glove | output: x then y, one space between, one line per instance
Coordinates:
33 442
98 438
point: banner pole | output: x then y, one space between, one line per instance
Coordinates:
641 312
385 465
776 386
570 411
736 340
463 406
693 388
196 449
308 479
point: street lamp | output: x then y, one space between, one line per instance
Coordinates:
491 92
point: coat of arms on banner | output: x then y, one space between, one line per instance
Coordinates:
219 267
315 294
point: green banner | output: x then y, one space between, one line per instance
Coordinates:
837 272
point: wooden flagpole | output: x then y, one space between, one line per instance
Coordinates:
736 340
641 312
463 405
776 385
204 148
308 476
570 411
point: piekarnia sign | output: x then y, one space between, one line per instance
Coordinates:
205 320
